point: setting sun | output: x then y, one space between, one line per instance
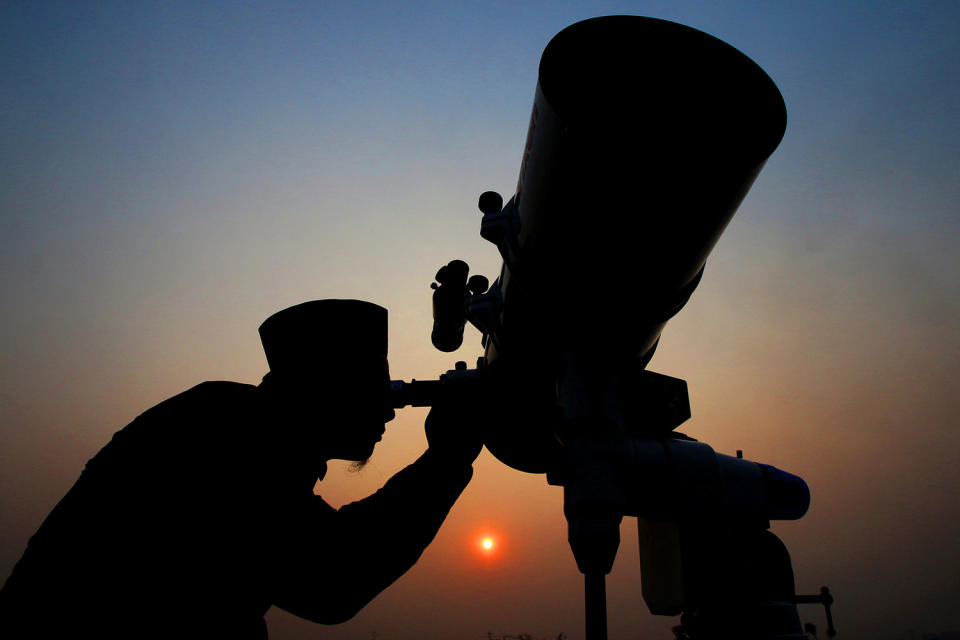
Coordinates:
487 544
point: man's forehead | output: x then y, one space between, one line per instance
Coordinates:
351 370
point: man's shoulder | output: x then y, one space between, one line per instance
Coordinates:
206 412
216 395
213 389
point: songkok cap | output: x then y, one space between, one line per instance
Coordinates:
301 338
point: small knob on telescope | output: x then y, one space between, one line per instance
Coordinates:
490 202
453 273
477 284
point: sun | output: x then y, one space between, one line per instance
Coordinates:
487 544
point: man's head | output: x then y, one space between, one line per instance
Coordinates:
329 374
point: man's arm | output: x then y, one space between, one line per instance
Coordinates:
340 560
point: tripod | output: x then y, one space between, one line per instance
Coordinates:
706 551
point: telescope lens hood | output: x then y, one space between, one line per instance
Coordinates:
663 83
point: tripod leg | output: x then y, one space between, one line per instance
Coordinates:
595 592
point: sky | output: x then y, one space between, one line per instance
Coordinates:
173 173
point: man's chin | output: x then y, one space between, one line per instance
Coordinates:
358 465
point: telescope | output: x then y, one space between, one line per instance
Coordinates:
644 138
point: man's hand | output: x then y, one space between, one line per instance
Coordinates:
454 432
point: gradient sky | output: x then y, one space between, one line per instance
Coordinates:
173 173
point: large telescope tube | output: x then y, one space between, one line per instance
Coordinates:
644 138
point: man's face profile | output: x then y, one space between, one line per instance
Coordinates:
329 381
346 408
364 398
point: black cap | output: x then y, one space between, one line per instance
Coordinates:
299 339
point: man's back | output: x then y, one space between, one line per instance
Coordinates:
153 535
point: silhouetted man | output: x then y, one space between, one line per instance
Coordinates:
200 514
